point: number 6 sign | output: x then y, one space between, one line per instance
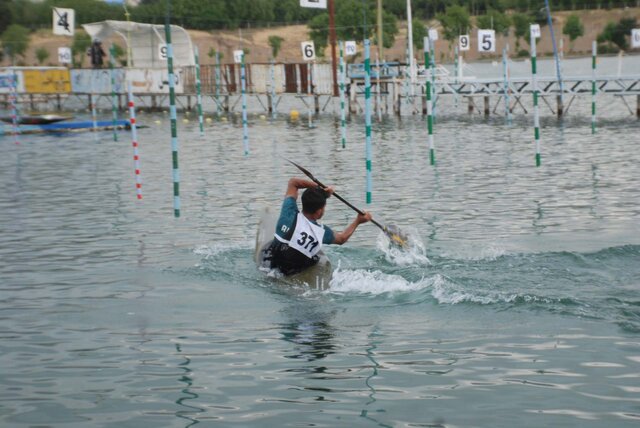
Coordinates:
464 42
486 41
308 51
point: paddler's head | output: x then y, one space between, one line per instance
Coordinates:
314 200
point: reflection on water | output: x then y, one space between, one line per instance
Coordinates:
370 352
311 333
189 411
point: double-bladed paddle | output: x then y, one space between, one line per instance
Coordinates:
393 232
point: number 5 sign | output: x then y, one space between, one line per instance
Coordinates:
464 42
635 38
486 41
308 51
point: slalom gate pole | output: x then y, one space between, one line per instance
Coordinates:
174 120
218 84
134 142
427 92
594 48
198 92
367 113
505 70
15 128
245 124
536 113
114 100
343 114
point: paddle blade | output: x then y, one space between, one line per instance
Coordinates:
396 236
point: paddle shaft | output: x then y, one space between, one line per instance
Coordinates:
340 198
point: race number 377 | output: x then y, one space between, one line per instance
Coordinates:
486 41
635 38
308 51
464 42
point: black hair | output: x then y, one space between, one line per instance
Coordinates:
313 199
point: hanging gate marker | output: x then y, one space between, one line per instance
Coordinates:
367 114
198 92
343 122
505 69
245 124
94 114
594 48
218 84
114 101
428 92
174 120
534 83
134 142
15 128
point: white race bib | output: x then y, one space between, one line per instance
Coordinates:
307 237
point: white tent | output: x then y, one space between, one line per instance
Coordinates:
145 42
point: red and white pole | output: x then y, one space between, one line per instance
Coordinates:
134 142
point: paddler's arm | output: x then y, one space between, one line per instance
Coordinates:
296 184
342 237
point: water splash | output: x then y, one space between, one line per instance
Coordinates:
213 250
373 282
413 254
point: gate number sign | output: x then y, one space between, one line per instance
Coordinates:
635 38
308 51
464 42
486 41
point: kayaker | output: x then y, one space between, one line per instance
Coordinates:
298 235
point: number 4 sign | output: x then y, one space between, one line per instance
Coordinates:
63 21
535 31
308 51
486 41
635 38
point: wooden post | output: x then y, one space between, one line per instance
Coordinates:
638 106
269 103
316 103
470 107
560 106
487 106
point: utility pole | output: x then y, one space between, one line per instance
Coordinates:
380 44
332 42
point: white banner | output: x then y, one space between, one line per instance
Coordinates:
486 41
318 4
464 42
64 55
85 81
535 31
635 38
63 21
153 81
350 48
308 51
7 82
237 56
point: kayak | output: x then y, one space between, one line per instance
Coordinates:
37 119
317 276
63 127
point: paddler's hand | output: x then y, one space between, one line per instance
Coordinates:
329 190
363 218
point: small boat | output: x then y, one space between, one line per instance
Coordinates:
63 127
315 277
37 119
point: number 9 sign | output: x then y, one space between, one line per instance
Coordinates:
635 38
464 42
308 51
486 41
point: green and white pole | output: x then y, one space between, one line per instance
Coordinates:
427 92
367 113
594 49
505 70
245 124
536 114
343 113
114 100
455 79
198 92
94 112
432 49
218 84
309 94
378 100
174 120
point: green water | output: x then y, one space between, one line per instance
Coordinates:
519 304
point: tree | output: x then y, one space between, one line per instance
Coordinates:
495 20
455 21
573 28
15 40
276 43
118 53
521 25
617 33
42 54
419 32
81 42
319 32
5 16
